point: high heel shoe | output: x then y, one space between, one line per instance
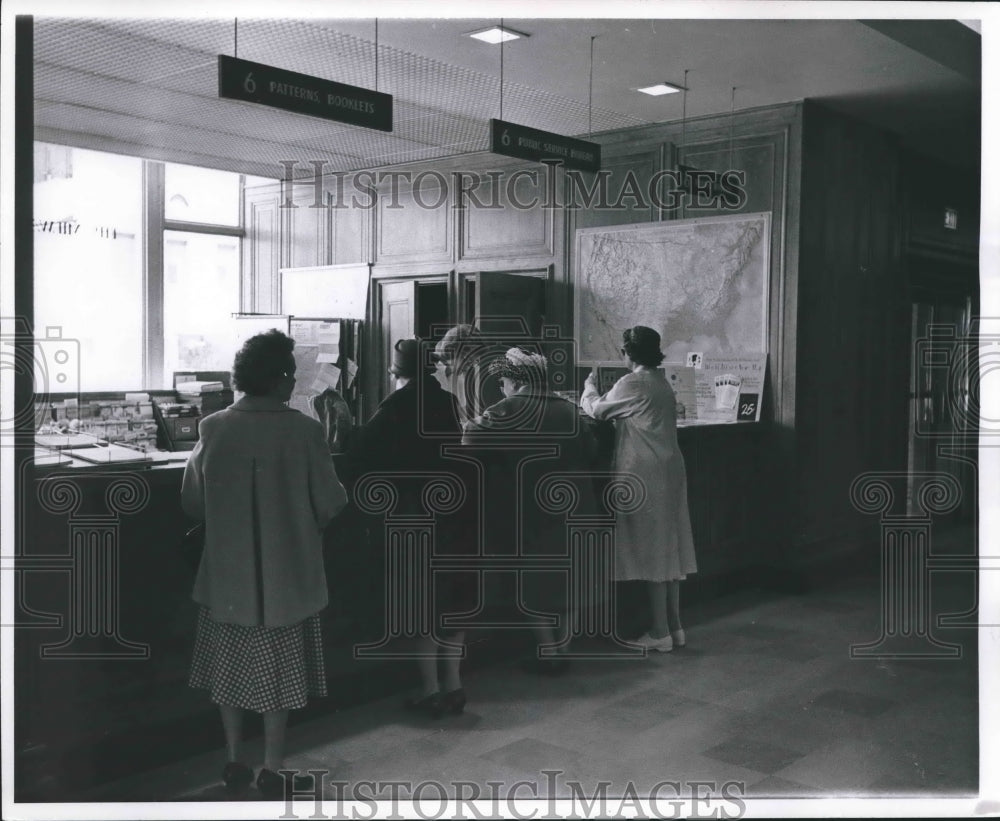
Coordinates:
662 645
679 638
432 705
454 701
237 777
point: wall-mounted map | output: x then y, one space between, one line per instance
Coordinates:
702 283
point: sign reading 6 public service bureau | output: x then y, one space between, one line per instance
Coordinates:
303 94
525 143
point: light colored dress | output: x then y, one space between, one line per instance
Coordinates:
654 543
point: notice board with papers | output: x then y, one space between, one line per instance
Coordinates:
327 356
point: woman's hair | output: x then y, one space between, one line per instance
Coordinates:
642 345
524 368
460 345
261 362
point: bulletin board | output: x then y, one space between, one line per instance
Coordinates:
327 355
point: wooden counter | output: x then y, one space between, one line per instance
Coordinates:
104 597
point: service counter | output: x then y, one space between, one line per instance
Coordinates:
104 599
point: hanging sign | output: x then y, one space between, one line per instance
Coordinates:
525 143
302 94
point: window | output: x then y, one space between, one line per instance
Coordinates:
140 307
88 261
201 195
200 283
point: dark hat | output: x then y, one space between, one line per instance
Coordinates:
405 355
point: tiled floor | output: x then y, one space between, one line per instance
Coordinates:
766 694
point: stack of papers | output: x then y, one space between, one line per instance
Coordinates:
195 387
160 456
66 440
112 454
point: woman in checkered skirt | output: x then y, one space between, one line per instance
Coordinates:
262 480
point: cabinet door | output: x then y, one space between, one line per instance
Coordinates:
510 304
397 320
261 250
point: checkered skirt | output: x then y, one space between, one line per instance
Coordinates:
263 669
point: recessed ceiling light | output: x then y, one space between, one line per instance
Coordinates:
660 89
496 34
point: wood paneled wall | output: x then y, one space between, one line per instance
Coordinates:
474 229
835 399
853 323
928 189
739 480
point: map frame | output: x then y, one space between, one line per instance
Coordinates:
587 357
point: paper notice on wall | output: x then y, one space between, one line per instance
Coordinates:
326 377
305 332
730 388
328 339
682 380
328 333
352 371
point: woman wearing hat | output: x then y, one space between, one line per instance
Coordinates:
405 436
654 543
458 357
541 435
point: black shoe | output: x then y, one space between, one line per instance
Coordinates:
432 705
454 701
276 786
237 777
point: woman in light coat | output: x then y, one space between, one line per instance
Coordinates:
262 480
654 543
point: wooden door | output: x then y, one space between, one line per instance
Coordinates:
510 304
397 320
942 424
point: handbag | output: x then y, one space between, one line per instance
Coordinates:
193 545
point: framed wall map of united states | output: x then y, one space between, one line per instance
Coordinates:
701 283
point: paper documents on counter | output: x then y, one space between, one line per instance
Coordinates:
195 387
161 456
110 455
66 440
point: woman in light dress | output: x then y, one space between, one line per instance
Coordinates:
653 543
